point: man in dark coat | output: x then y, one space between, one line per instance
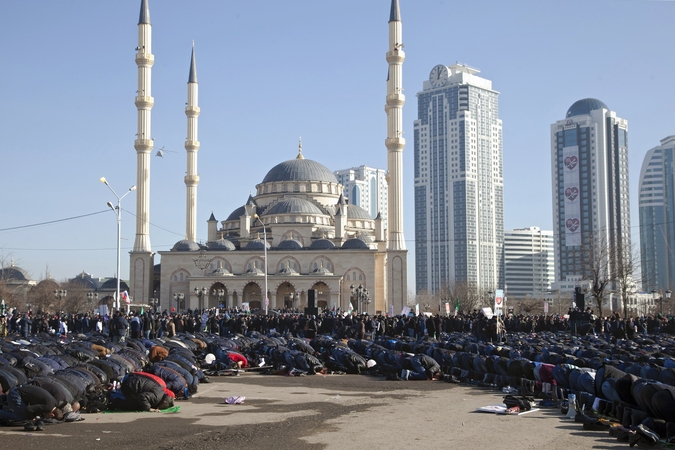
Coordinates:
118 327
28 402
142 393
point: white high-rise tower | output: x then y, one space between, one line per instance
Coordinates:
192 147
397 254
142 266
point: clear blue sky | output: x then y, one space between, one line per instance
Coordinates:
271 71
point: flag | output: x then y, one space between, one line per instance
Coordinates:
125 296
142 310
350 309
456 306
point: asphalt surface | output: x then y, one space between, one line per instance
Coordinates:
320 412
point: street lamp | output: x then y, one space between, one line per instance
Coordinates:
256 217
118 213
668 292
92 297
219 294
59 294
178 298
362 296
200 293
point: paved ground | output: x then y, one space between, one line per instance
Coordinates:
321 412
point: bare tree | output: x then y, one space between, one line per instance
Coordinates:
596 266
41 296
626 265
531 305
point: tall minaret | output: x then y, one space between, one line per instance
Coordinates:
192 147
397 255
142 265
395 141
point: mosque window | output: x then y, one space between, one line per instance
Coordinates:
347 278
175 278
180 277
360 277
296 187
284 188
354 276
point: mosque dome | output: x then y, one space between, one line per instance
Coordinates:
221 245
300 169
294 205
289 244
111 285
322 244
355 244
185 246
237 213
585 106
356 212
14 273
257 244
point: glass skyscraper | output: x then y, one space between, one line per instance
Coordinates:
459 186
589 162
657 217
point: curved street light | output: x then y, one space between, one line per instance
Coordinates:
118 213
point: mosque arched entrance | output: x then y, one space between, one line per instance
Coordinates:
252 295
322 292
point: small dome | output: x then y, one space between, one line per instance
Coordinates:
111 285
288 270
585 106
255 270
294 205
85 281
289 244
356 212
300 170
355 244
321 270
221 272
322 244
185 246
257 244
221 245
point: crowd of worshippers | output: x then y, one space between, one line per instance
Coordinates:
625 385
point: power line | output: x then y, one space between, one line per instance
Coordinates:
52 221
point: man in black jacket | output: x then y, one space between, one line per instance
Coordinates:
28 402
142 393
118 327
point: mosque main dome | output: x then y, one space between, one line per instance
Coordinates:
300 169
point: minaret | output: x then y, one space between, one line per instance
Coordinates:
142 265
396 265
395 141
192 147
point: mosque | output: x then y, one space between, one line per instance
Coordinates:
296 240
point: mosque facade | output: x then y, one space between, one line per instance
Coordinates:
299 221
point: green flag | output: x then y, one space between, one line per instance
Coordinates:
457 304
142 310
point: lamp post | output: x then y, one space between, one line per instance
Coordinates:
92 297
59 294
178 298
118 213
200 293
362 296
668 292
256 217
490 300
219 294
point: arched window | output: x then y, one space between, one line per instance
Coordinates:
354 276
180 277
175 278
360 277
347 277
296 187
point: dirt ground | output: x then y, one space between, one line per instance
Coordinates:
321 412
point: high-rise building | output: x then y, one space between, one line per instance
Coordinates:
657 216
589 162
365 187
459 186
528 262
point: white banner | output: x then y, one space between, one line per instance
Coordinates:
572 194
499 301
